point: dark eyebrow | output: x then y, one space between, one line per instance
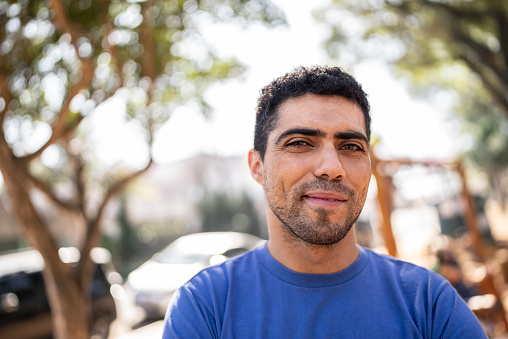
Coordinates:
319 133
303 131
351 135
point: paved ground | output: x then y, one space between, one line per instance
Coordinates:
131 322
150 331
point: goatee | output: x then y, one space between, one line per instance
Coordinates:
316 229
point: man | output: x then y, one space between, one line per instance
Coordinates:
311 280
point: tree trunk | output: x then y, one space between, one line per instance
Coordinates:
70 307
64 292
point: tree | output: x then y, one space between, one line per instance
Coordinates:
59 60
459 46
221 211
484 122
432 34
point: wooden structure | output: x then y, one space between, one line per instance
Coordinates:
384 171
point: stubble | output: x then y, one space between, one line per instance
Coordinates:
314 226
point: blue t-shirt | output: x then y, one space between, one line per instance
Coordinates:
254 296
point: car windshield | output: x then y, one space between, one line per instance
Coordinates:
200 248
174 257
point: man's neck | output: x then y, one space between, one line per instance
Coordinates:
303 257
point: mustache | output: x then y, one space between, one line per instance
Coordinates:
325 185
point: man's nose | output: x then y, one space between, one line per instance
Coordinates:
328 165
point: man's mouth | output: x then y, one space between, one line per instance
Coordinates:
325 198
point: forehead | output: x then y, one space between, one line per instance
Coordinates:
325 112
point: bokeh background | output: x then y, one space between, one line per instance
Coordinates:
126 124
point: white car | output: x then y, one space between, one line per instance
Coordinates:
155 281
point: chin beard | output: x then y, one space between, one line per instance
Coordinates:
320 232
314 226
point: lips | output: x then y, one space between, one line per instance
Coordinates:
325 198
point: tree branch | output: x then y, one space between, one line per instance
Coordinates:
61 20
44 188
147 59
119 185
80 185
113 48
473 14
78 167
484 55
60 126
502 28
499 96
478 57
487 57
6 94
93 224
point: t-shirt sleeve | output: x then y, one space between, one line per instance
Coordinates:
453 318
187 317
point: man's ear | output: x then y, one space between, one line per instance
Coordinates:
256 166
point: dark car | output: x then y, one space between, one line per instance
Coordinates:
24 308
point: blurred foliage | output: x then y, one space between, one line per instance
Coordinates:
460 46
149 53
223 212
485 123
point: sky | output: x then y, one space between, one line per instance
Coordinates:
405 126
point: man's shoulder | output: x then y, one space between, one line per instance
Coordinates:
391 262
404 272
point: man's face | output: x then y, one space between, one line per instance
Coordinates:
316 169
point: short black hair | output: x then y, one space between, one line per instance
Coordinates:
320 80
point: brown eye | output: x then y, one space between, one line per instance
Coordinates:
351 147
298 143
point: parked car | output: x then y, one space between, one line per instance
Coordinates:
155 281
24 308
